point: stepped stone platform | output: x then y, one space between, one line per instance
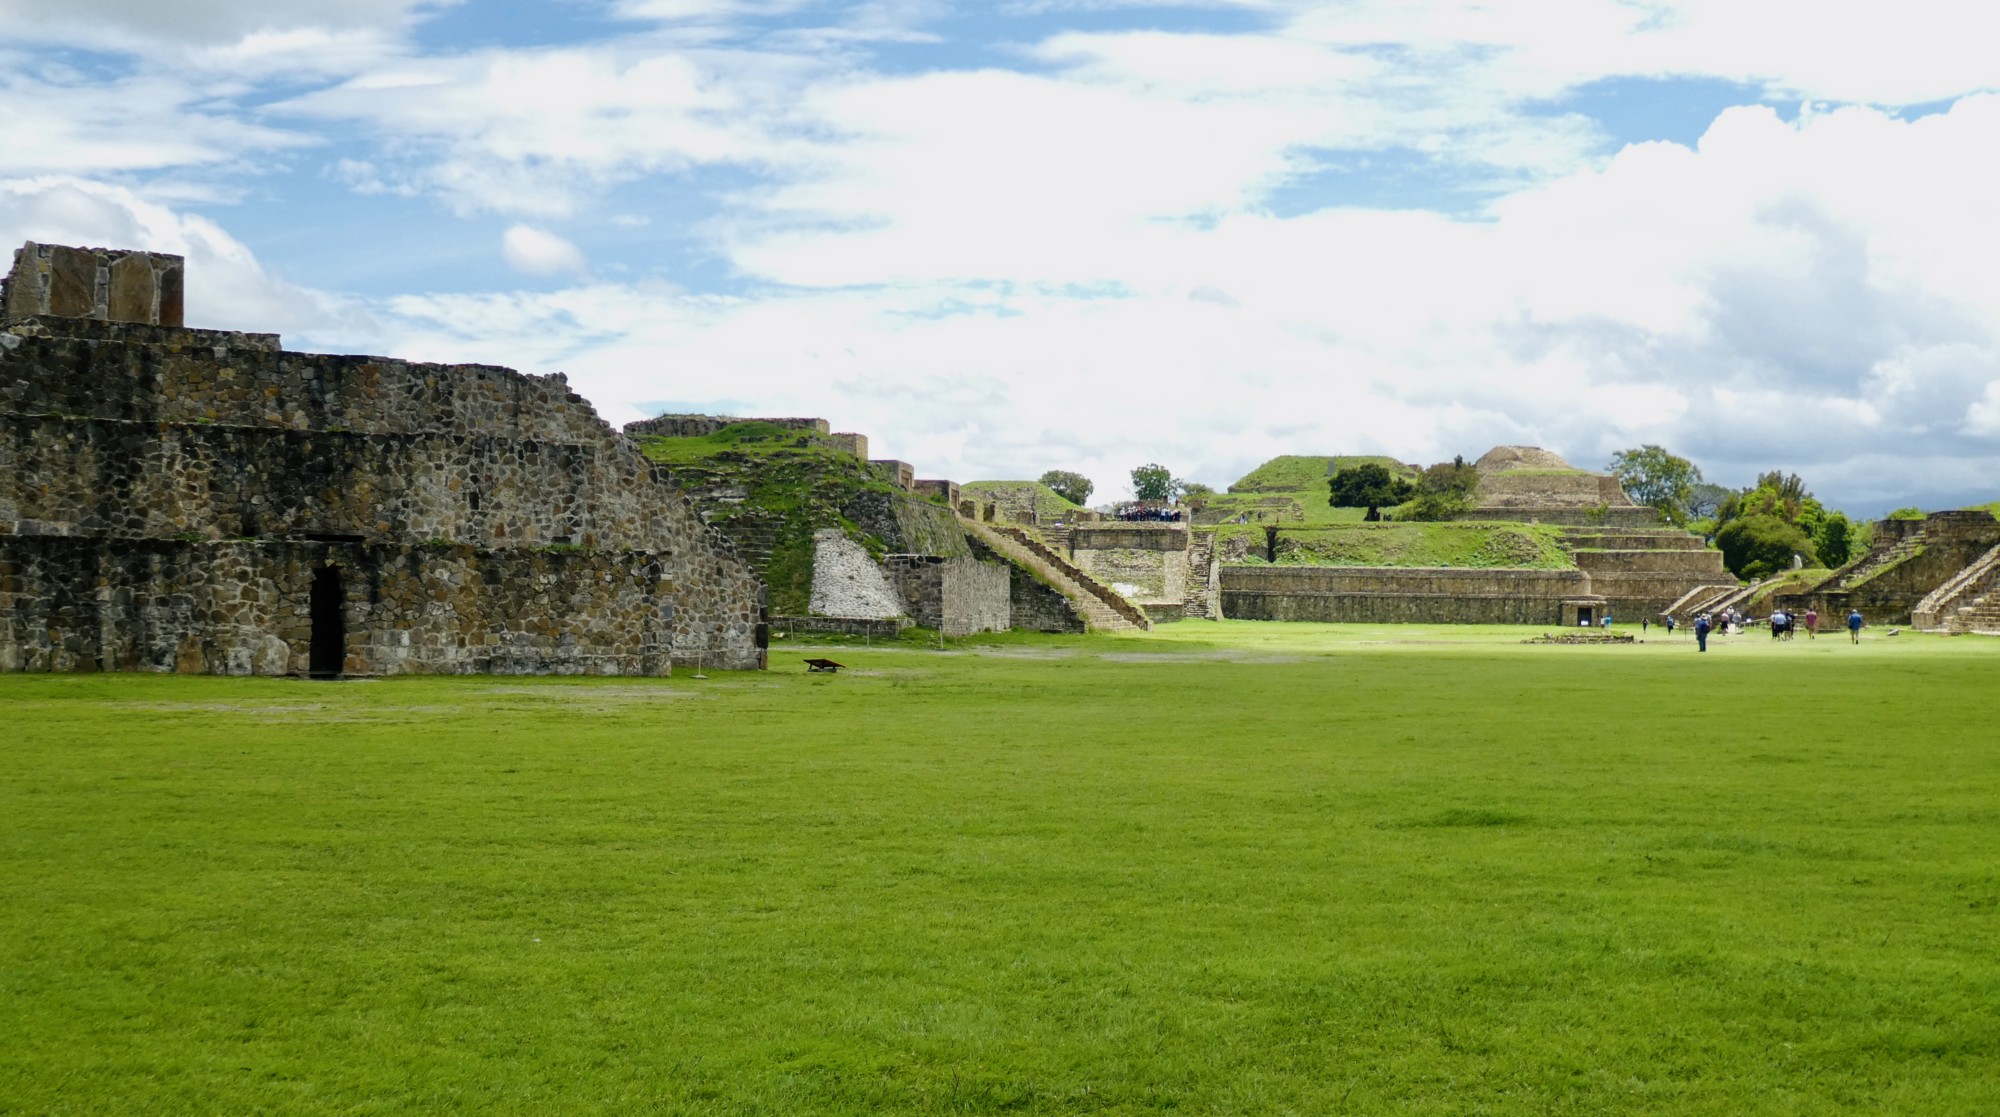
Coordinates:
201 501
1910 561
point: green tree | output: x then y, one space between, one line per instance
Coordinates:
1444 490
1653 476
1073 487
1194 494
1369 485
1834 540
1705 500
1760 545
1154 482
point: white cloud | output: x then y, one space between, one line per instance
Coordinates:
1788 294
60 121
227 287
533 133
141 25
539 252
1074 261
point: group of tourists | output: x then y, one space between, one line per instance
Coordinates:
1784 624
1145 515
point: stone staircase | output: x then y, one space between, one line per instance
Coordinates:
1870 564
1101 608
1710 599
1969 602
1204 598
1698 600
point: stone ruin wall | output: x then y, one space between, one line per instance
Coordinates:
1151 558
1398 595
237 608
701 426
164 491
957 596
102 283
1950 541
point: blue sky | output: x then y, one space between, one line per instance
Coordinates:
1007 237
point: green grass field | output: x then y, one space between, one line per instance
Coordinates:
1229 868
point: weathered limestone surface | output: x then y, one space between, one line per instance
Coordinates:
240 608
1146 562
847 583
1036 606
165 495
102 283
958 596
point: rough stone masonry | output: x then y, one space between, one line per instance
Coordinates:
200 501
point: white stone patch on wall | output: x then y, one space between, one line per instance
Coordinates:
847 583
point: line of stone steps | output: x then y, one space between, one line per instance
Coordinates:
1871 564
1701 599
1981 615
1968 602
1199 604
1100 607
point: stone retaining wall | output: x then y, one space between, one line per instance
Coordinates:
957 596
102 283
482 520
701 426
84 604
1949 542
1391 595
1151 559
1038 607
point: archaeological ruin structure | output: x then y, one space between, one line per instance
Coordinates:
202 501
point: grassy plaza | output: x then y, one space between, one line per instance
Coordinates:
1217 868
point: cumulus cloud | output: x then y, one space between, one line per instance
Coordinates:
539 252
60 120
1786 293
1075 252
144 24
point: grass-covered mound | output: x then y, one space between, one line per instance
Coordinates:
1477 544
1403 869
1291 473
1021 496
1292 488
768 489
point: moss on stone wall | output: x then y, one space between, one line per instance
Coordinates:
1020 496
768 489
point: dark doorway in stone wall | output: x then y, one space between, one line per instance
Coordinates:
329 624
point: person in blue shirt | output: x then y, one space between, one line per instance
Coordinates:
1701 627
1854 626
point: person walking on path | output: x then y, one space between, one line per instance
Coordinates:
1701 631
1670 625
1812 623
1854 627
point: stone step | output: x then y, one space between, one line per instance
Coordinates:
1086 596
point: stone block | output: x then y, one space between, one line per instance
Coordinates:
72 282
134 294
172 273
